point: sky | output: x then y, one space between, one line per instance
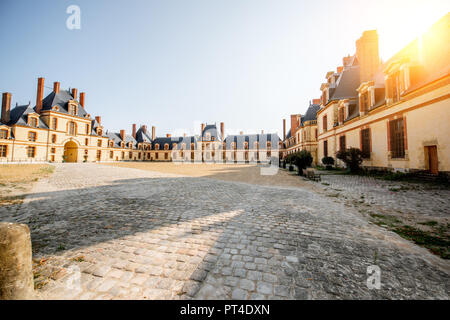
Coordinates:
174 64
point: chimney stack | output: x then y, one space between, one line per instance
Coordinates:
99 120
284 129
144 128
6 107
262 131
168 135
75 93
134 130
316 101
340 69
153 133
294 124
368 55
40 94
184 135
56 87
222 130
202 128
82 97
241 133
122 135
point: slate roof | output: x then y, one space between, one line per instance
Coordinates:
311 113
19 116
250 138
346 84
61 100
143 137
172 140
115 136
212 130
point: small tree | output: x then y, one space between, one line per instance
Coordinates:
302 160
328 162
352 157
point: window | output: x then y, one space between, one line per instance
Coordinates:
31 136
52 158
156 155
54 123
325 123
315 136
123 155
99 143
397 137
364 102
3 150
33 122
86 141
342 143
325 148
72 109
130 155
87 129
31 152
166 156
53 138
111 154
52 150
341 115
139 155
86 151
365 143
72 128
166 147
99 155
3 134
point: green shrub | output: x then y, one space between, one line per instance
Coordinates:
352 157
328 162
302 160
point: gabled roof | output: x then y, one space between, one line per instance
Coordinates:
19 116
142 136
61 100
346 84
212 130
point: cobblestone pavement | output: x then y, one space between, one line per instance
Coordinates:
423 200
104 232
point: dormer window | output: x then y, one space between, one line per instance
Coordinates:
157 146
341 115
99 131
174 146
33 122
166 146
3 134
130 145
72 109
111 144
122 144
207 136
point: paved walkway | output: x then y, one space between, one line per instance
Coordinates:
106 232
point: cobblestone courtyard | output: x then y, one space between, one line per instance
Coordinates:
104 232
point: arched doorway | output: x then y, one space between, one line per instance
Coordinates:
70 152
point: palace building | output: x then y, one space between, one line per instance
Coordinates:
397 112
58 129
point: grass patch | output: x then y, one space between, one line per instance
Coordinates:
429 223
438 245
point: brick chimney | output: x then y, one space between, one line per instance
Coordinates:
262 131
368 55
222 130
339 69
346 60
134 130
99 120
122 135
241 133
144 128
316 101
75 93
202 128
40 94
294 123
82 97
184 135
284 129
153 133
6 107
168 135
56 87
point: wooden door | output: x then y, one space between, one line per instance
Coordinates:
432 159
